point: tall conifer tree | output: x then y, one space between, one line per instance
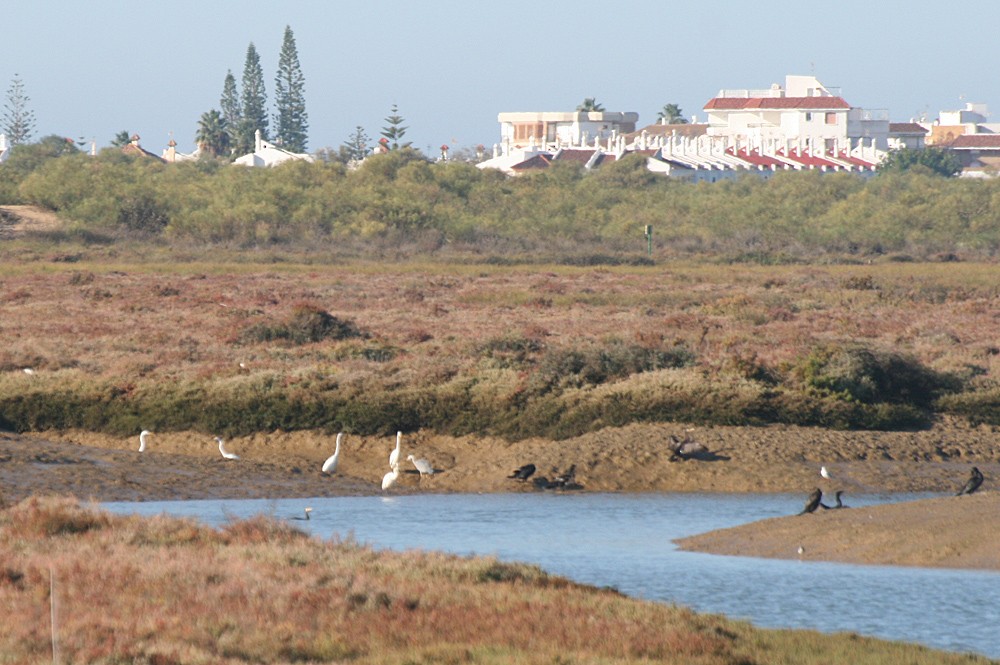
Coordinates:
254 103
291 122
230 105
18 119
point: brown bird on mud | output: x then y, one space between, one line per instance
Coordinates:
973 483
813 502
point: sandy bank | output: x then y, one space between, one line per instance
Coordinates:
948 532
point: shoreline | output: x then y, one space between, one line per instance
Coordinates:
940 532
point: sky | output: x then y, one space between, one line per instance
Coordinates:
93 68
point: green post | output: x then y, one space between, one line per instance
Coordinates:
649 239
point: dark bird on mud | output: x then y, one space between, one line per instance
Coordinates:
566 478
839 504
973 483
523 473
813 502
685 449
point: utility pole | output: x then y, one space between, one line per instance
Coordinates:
649 240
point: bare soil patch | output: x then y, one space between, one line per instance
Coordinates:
20 219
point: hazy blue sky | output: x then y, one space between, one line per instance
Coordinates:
95 67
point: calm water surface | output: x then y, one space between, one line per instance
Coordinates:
624 541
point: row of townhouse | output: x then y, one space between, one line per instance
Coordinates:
802 125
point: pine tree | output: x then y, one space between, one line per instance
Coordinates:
395 130
355 148
291 121
253 102
18 119
230 105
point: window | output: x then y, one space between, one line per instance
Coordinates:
525 131
831 118
809 116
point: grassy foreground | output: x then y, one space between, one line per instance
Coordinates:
163 590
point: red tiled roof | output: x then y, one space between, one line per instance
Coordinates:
906 128
804 103
570 155
539 161
806 159
976 142
755 158
845 156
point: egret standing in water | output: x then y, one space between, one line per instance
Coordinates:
222 449
394 455
330 465
143 439
422 465
389 479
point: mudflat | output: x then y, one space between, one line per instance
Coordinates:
948 531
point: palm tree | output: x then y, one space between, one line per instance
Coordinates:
590 104
212 136
672 114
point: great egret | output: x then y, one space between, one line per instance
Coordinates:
394 455
973 483
143 440
389 479
823 472
306 517
423 466
813 502
523 473
330 465
222 449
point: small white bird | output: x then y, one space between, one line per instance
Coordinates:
422 465
389 479
394 455
823 472
143 439
222 449
802 550
330 465
28 371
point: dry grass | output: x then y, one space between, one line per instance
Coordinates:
129 335
162 590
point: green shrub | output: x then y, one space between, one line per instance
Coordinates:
871 376
308 324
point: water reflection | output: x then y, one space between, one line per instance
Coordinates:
624 541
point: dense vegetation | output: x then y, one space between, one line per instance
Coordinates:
382 350
82 586
401 202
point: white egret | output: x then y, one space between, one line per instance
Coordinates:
422 465
143 440
823 472
306 518
222 449
394 455
330 465
389 479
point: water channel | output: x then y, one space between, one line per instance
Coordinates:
624 541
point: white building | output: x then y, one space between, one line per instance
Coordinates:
804 113
268 154
4 148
